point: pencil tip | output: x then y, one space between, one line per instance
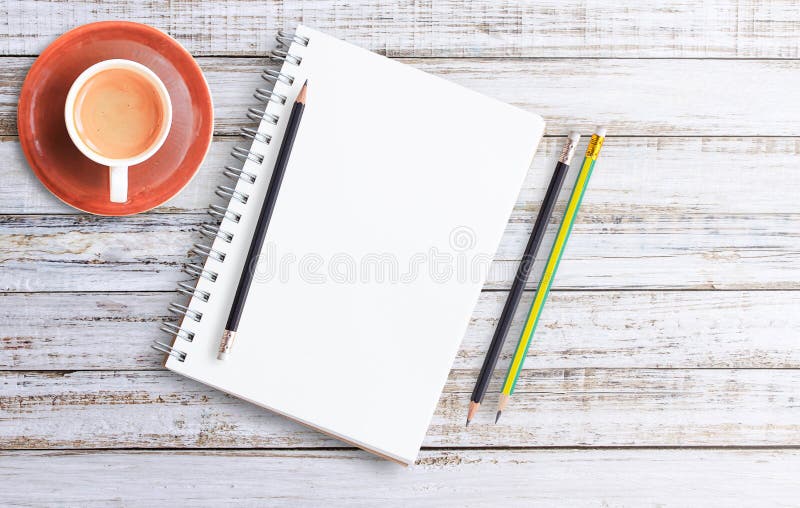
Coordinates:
301 97
473 408
497 417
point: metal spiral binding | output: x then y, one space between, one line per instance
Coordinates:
177 331
239 174
224 213
188 289
198 271
206 250
285 56
185 311
243 154
253 134
224 191
285 39
267 96
257 115
164 348
273 76
213 231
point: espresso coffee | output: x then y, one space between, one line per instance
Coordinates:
119 113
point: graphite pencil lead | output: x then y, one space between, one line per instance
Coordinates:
497 416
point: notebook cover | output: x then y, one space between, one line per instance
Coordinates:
394 202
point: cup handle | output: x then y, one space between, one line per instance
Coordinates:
118 183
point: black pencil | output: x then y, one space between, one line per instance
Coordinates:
539 228
264 217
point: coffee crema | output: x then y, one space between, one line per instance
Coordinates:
119 113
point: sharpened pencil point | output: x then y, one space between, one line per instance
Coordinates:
301 97
473 408
501 405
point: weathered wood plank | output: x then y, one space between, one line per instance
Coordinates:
708 478
695 329
52 253
631 97
455 28
667 206
682 178
552 407
606 251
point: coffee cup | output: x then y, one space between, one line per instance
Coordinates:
118 113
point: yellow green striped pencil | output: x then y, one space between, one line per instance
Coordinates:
592 152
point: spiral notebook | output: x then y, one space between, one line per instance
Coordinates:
393 204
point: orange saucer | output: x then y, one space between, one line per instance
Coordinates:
72 177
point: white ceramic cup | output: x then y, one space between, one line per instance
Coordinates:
118 168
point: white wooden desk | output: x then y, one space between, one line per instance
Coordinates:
666 370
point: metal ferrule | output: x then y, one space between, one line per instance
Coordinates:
568 151
592 150
595 144
225 345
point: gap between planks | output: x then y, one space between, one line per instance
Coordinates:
577 448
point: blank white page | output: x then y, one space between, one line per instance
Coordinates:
396 196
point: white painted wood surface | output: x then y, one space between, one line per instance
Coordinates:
552 407
582 329
450 28
666 370
633 96
557 478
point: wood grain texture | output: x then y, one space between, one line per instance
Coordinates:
680 178
598 329
606 251
551 407
630 96
452 28
696 192
710 478
660 213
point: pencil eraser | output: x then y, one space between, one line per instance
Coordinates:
601 132
574 136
